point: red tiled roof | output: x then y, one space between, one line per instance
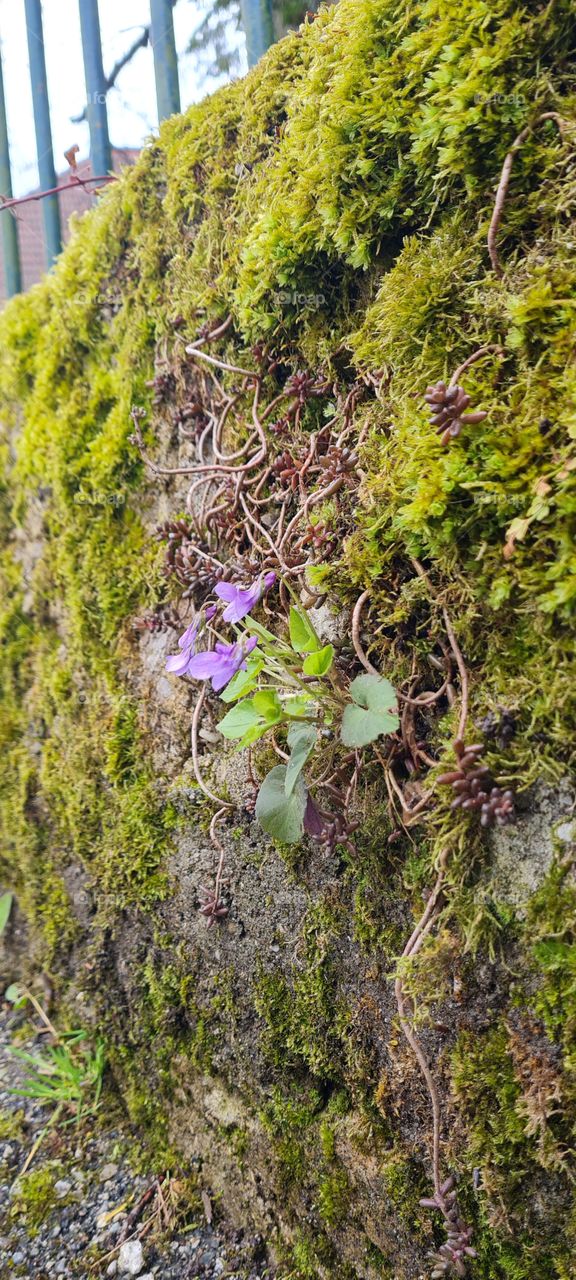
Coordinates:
75 199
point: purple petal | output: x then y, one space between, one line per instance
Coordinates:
226 591
217 665
177 663
242 599
242 604
233 659
204 665
224 674
187 640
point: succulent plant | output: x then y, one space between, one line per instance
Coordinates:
475 788
453 1257
448 405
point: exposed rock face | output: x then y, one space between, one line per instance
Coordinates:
335 206
524 853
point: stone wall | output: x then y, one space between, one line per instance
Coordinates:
335 205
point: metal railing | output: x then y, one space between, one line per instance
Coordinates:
258 27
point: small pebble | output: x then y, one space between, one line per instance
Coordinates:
131 1258
107 1172
62 1188
112 1269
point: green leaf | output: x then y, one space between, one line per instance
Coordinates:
239 719
374 692
301 740
268 705
254 733
317 664
15 995
244 681
5 909
303 637
359 727
372 713
256 629
250 719
280 815
298 706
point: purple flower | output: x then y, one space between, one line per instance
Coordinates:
241 600
177 663
220 664
188 639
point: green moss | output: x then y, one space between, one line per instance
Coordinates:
305 1019
371 871
512 1133
303 1257
334 1197
483 1069
238 1139
551 933
311 1254
327 1141
405 1183
356 164
35 1197
289 1119
11 1126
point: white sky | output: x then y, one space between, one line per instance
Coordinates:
131 104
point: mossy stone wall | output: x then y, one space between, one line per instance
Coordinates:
336 204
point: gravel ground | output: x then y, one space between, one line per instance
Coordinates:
93 1198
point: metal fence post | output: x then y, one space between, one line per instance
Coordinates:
12 276
46 170
100 154
258 27
165 58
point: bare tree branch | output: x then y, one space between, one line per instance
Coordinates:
141 43
110 80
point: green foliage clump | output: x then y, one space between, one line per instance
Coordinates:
11 1125
35 1197
334 1197
405 1184
551 928
483 1069
289 1119
503 1128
